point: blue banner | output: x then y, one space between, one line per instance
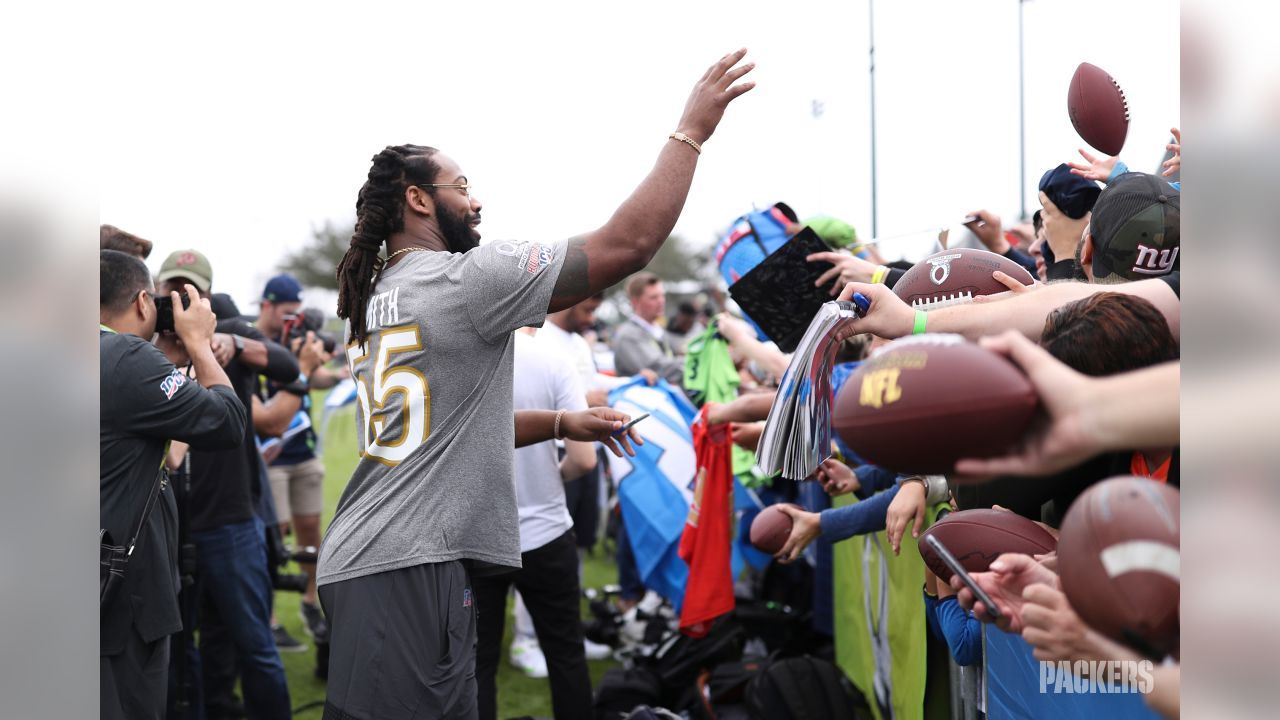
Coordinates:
1019 686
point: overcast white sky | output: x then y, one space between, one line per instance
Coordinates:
238 130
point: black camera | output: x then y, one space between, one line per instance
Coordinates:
164 310
310 319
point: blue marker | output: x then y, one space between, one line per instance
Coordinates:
861 304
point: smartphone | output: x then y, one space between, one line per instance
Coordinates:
164 310
965 577
628 426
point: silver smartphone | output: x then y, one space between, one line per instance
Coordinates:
965 577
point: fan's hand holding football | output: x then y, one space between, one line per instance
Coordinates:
1173 164
846 268
907 508
1095 167
805 528
1051 626
1061 439
888 316
600 424
836 478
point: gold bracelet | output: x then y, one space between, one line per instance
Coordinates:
685 139
555 433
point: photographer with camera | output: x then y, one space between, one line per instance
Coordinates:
233 579
297 475
145 402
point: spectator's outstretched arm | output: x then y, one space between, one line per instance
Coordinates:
743 339
629 240
1084 416
745 409
890 317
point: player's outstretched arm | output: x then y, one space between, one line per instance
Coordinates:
629 240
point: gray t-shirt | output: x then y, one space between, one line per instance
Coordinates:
434 481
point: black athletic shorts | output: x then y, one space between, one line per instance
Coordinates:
402 644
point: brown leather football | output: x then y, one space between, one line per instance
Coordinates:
1098 108
1119 560
921 403
978 537
956 276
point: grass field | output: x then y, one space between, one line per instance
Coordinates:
517 695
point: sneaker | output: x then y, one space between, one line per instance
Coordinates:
527 656
596 651
285 642
313 623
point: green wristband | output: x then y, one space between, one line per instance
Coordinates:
920 320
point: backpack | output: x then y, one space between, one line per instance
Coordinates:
802 688
680 659
751 238
621 690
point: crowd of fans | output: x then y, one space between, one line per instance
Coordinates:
210 465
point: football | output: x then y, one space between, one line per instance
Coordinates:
1099 111
1119 561
977 537
770 529
955 276
923 402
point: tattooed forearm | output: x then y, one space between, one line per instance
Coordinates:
572 282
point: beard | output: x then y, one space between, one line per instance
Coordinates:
459 236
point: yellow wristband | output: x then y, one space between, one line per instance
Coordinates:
877 277
686 139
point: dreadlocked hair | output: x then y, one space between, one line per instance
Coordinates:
379 215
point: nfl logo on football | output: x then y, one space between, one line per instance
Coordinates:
1096 676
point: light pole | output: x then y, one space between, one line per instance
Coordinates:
1022 124
871 24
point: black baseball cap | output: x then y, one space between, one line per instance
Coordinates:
1135 228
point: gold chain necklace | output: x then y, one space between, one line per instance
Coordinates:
401 251
382 264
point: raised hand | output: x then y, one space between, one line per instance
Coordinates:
713 93
989 230
1173 164
847 268
1098 168
908 507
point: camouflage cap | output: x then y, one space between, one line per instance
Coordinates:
1135 228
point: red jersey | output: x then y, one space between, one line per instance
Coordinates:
706 544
